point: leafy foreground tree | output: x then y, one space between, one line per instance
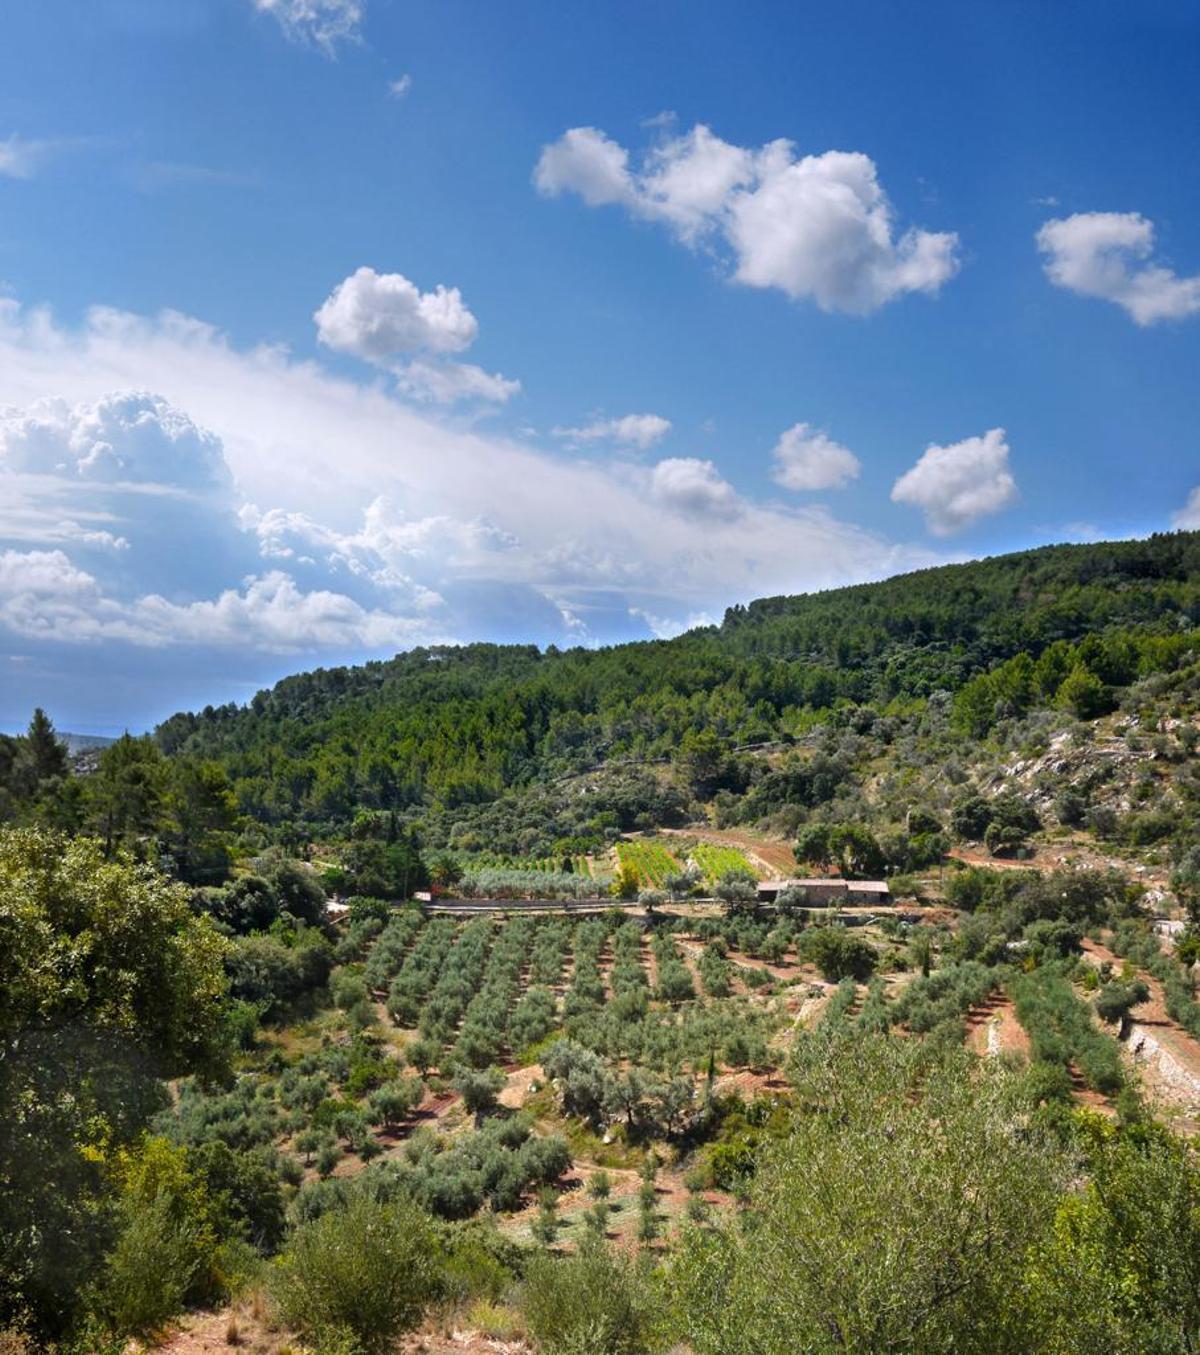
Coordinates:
1120 1270
895 1216
108 983
356 1278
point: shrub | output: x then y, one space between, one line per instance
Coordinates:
366 1272
158 1258
166 1244
836 953
594 1303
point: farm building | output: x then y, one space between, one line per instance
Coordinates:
860 893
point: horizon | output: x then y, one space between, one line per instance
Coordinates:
333 329
18 727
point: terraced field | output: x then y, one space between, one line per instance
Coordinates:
649 859
716 861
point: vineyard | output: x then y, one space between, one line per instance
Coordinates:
498 875
716 861
553 865
649 860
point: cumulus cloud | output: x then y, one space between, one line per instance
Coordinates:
585 161
385 319
44 596
1187 519
322 23
378 523
806 458
123 436
68 530
384 548
399 88
693 488
383 316
817 227
1109 255
957 485
640 431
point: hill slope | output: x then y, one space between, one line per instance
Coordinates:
473 741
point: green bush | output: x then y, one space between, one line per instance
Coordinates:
596 1302
159 1258
364 1273
836 953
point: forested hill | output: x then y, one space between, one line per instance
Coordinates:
435 729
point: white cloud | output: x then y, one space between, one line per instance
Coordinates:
587 162
383 316
693 488
68 530
641 431
323 23
1109 255
399 88
447 382
806 458
954 486
43 596
1187 519
817 227
126 436
385 319
378 523
384 548
667 627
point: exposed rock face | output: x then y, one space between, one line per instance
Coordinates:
1172 1077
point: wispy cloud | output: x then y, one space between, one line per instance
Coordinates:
320 23
638 431
156 175
23 157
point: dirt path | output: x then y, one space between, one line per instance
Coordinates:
978 856
520 1084
1069 853
689 951
247 1329
649 962
1165 1054
993 1028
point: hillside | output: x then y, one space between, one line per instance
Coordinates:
851 705
255 1119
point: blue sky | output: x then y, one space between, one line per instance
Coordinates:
334 326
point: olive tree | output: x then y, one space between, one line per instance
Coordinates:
894 1216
